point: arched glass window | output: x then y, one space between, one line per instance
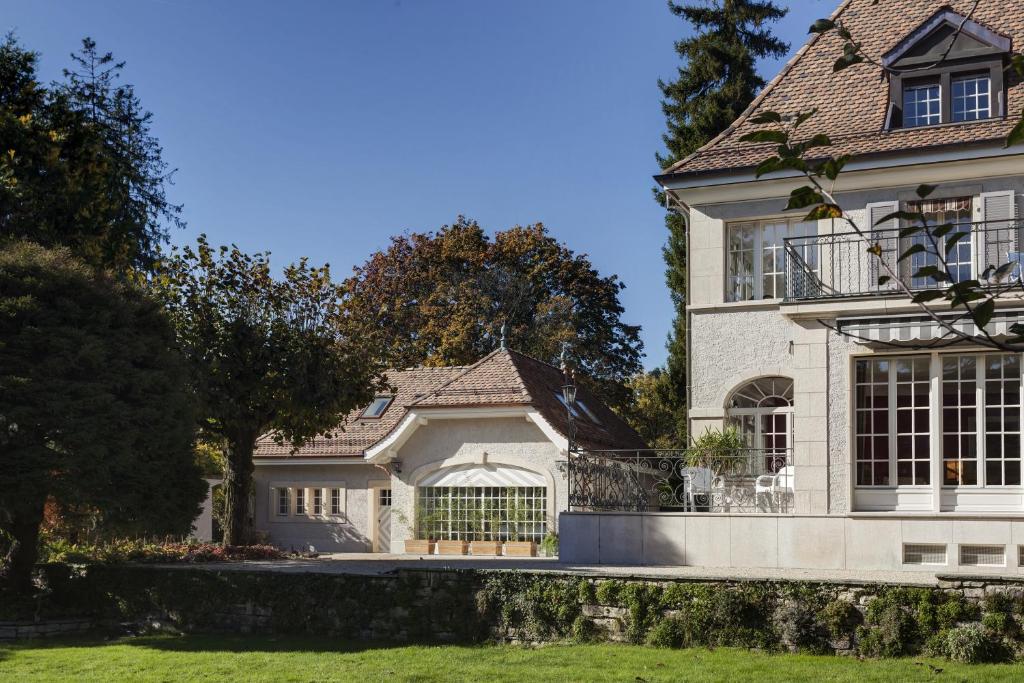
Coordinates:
762 411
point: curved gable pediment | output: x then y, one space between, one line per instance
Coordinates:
930 41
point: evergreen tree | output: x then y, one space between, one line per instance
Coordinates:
717 81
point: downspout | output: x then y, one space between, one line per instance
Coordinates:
684 211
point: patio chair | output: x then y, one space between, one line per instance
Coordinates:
773 487
698 487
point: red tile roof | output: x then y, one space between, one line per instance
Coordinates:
502 378
852 103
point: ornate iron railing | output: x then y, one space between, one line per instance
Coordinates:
839 265
739 481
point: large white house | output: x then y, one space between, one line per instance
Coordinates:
478 449
902 450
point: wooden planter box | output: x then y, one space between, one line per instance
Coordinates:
520 549
485 548
452 547
419 547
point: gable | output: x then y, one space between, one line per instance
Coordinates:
948 35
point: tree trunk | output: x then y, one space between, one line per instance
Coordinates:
237 487
21 557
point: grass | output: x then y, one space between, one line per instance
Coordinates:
260 658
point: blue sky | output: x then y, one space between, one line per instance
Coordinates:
322 128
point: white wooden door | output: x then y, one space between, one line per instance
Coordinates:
384 520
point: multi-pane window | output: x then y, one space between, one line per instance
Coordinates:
959 256
971 98
300 501
1002 419
482 513
922 105
283 502
959 421
335 501
384 498
757 257
871 420
976 436
318 501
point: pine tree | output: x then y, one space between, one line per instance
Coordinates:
717 81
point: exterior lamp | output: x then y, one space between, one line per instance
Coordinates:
569 394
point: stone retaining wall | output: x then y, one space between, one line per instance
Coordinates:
21 630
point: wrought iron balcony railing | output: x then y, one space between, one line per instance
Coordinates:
839 265
739 481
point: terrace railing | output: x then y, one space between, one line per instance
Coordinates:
838 265
738 481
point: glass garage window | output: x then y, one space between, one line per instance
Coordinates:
482 513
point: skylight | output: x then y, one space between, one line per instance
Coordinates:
377 408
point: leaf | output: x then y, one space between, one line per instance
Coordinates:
766 166
1016 135
911 250
882 279
902 215
934 272
927 295
832 167
766 117
954 240
941 230
910 230
804 196
778 136
824 211
846 61
819 140
925 190
1017 328
821 26
802 117
983 313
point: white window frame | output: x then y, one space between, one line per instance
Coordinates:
938 493
309 492
976 96
758 229
937 100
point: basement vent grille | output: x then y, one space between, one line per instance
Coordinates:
982 556
924 553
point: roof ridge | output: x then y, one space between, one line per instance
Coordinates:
745 114
466 370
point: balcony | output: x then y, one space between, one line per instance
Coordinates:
838 265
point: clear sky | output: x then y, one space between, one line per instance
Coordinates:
321 128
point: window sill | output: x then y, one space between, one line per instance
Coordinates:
947 124
753 304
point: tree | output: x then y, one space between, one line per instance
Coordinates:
650 411
79 165
445 298
265 356
94 408
806 153
716 83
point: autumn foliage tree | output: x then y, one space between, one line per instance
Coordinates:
443 298
265 356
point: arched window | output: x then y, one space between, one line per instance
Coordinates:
762 411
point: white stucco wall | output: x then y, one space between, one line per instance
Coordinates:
349 533
444 443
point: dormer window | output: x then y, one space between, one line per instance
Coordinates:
948 70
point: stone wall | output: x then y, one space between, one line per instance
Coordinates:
24 630
470 606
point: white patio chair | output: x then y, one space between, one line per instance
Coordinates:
774 486
698 482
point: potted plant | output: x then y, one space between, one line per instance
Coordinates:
517 546
487 520
549 546
423 541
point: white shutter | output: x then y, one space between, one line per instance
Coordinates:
888 237
998 236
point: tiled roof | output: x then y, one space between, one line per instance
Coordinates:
502 378
354 434
852 103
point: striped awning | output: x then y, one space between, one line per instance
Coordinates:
916 328
483 475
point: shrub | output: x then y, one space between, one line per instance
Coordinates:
135 550
549 546
799 627
840 619
669 632
889 631
973 643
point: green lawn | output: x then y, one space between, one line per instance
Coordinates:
204 658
